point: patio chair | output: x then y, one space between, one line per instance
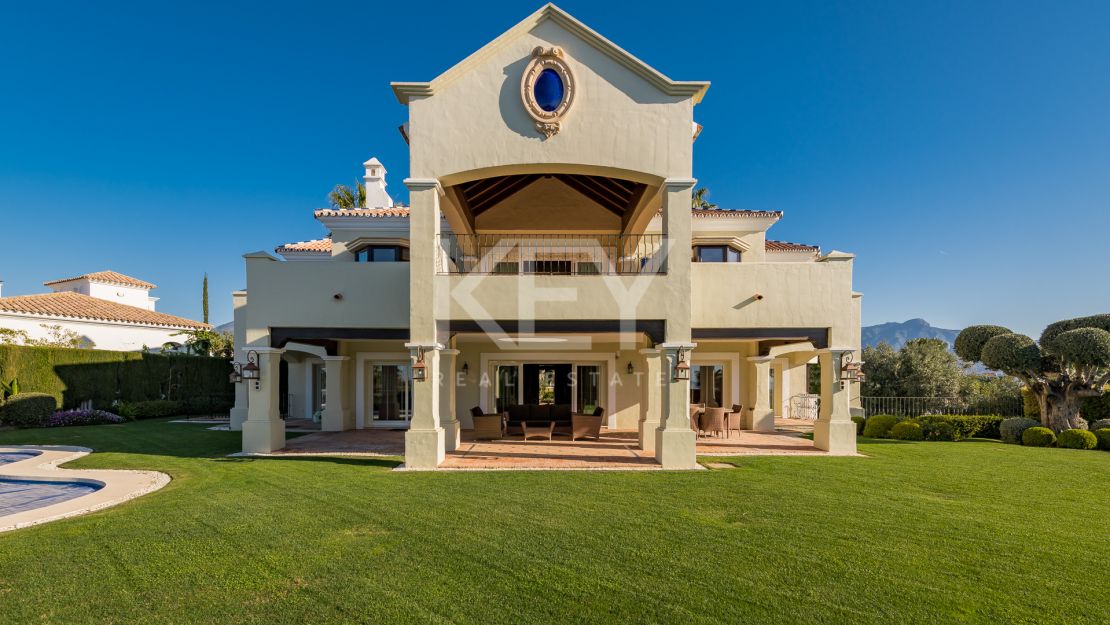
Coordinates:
489 426
584 426
695 421
713 420
734 420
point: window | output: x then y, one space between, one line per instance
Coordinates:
382 254
716 254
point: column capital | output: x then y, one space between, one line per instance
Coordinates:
424 184
334 358
761 359
676 345
426 346
651 352
450 352
678 184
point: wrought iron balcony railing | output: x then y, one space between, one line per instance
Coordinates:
552 254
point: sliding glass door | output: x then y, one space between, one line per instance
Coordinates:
390 392
707 385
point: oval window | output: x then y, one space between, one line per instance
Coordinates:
549 90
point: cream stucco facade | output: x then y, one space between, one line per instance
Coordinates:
544 261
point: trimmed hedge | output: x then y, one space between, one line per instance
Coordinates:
1012 428
907 431
959 427
1038 437
860 423
28 410
73 376
1077 439
879 426
1103 436
156 408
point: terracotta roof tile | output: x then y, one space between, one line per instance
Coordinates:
316 245
110 277
786 246
727 212
396 211
78 306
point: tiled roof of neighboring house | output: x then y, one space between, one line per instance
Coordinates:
110 277
78 306
786 246
316 245
727 212
396 211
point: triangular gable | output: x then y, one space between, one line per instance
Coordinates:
694 89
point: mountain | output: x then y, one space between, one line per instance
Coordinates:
898 333
225 327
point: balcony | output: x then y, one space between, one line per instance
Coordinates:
552 254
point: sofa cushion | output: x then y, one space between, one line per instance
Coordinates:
518 413
540 412
560 413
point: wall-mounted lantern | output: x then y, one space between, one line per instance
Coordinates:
631 369
236 373
681 368
465 369
849 371
250 371
419 370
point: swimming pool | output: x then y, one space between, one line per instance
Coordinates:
18 495
8 457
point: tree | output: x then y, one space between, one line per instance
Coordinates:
880 366
9 336
343 196
1069 363
922 368
57 336
701 199
204 297
209 343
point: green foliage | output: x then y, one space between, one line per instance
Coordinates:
958 427
7 389
1085 347
1015 354
210 343
1077 439
1012 429
1038 437
984 395
1050 338
8 336
1096 408
879 426
1098 425
1103 436
940 431
157 408
204 298
880 364
343 196
969 343
28 409
1031 407
860 423
73 376
907 431
922 368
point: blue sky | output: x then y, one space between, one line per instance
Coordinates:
960 149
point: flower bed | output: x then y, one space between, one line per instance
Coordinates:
78 416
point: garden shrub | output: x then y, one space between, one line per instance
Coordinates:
80 416
1031 407
879 426
860 423
907 431
124 409
1038 437
1099 425
1012 428
939 431
1096 408
1103 436
959 427
157 408
28 409
1077 439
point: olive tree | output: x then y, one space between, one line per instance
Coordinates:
1069 363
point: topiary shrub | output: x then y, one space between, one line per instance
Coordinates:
30 410
940 431
879 426
907 431
1038 437
157 408
1099 425
1011 429
860 423
1103 436
1077 439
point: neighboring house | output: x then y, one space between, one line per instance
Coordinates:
107 309
550 255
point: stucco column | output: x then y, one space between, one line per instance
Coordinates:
239 318
452 430
762 416
651 397
675 442
424 441
834 430
335 417
781 394
264 430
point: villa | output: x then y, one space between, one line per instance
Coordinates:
549 263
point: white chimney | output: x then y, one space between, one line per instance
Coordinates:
376 197
1 288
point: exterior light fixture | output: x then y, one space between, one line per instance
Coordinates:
236 373
631 369
250 371
465 369
681 368
849 371
420 370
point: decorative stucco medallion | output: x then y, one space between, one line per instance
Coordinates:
547 89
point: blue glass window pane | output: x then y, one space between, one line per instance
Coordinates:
549 90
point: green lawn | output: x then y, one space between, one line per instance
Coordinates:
970 532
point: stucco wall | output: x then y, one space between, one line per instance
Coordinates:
111 336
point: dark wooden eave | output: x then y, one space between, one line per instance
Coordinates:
617 196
